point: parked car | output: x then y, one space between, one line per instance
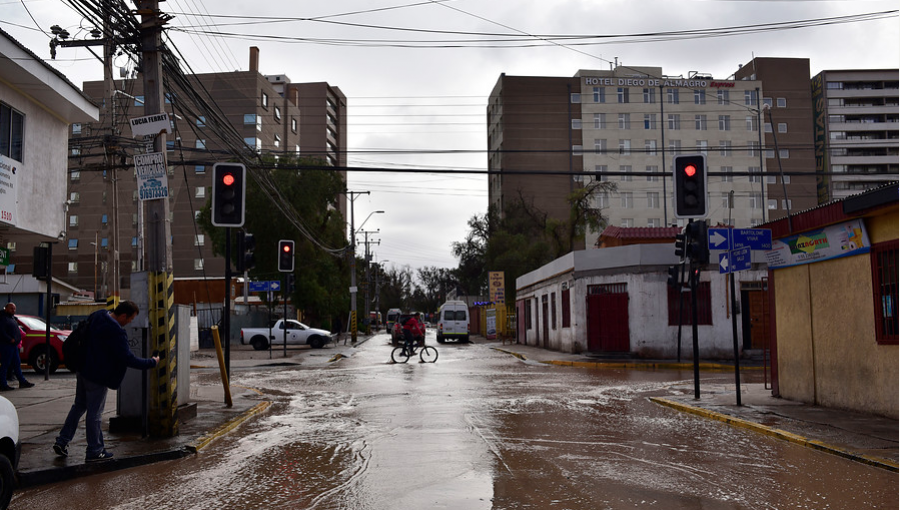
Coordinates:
397 329
453 322
392 316
9 450
34 343
296 332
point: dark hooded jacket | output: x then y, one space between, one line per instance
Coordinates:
108 355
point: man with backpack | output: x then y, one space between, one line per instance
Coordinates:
10 338
106 358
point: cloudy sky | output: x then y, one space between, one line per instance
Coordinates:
417 73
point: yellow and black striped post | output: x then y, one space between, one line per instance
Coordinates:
163 418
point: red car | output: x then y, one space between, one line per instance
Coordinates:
34 343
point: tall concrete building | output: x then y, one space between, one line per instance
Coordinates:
103 237
857 130
624 126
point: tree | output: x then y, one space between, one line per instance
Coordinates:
309 200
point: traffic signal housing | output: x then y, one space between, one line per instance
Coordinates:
674 272
698 242
690 179
245 259
229 190
681 244
286 256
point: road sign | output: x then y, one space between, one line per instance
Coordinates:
4 257
718 239
265 286
753 238
734 261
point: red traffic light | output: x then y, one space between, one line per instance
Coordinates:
228 179
287 248
690 170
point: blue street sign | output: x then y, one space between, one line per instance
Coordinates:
719 239
734 261
265 286
753 238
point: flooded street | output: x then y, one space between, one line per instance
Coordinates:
479 429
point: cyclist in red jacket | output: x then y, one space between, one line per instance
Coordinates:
411 330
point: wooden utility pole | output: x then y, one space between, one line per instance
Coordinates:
163 399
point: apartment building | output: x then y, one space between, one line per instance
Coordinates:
857 130
104 236
624 126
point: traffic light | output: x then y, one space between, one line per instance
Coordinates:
681 244
286 256
41 258
245 259
674 272
698 242
290 282
229 190
690 180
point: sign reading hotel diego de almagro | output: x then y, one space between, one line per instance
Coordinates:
657 82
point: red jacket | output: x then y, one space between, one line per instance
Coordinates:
414 327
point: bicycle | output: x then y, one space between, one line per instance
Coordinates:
427 354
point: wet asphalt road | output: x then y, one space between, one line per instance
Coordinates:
479 429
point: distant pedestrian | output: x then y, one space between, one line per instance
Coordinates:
107 357
10 338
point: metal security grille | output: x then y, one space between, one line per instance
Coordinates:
608 288
884 286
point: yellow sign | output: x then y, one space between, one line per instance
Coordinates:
497 287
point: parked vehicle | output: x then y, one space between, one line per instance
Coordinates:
10 450
297 334
392 316
453 322
34 343
397 329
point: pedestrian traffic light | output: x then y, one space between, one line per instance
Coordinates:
229 190
681 244
674 272
41 255
690 180
245 259
286 256
698 242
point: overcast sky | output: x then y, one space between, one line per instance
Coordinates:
425 92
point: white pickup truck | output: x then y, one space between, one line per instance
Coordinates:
297 334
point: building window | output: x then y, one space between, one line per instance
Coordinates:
200 169
752 123
73 220
134 242
675 146
784 153
599 121
265 101
704 308
627 200
649 121
674 121
104 220
602 200
625 147
725 148
574 97
624 121
649 95
576 123
724 122
199 240
652 169
599 95
599 173
703 147
622 94
76 128
700 96
626 171
650 147
74 197
599 146
73 244
277 114
627 223
201 121
139 101
75 175
566 307
653 222
767 101
254 143
277 141
722 96
782 127
781 102
727 170
700 122
294 124
200 192
553 310
12 133
672 96
752 148
653 199
577 150
884 286
201 144
749 98
755 200
73 267
198 264
249 119
786 204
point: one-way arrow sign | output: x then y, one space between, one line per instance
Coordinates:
718 239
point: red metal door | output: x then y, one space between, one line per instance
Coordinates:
593 323
607 318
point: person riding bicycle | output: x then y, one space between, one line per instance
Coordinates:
411 330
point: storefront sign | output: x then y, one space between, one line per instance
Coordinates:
831 242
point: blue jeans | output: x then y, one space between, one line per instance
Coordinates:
90 397
10 353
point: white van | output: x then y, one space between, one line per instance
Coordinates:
453 322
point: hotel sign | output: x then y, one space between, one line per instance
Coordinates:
655 82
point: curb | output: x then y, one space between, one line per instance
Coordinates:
202 442
779 434
709 367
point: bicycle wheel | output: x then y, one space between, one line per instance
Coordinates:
428 354
399 355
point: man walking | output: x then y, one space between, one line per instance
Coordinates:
10 338
107 358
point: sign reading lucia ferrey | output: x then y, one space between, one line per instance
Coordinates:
152 180
656 82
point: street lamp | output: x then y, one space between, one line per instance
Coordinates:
353 289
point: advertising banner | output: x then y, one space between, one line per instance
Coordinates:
8 192
152 181
848 238
497 287
491 324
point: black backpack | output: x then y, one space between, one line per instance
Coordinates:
74 348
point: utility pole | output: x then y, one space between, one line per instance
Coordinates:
366 307
353 319
163 419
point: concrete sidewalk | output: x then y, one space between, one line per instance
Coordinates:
865 438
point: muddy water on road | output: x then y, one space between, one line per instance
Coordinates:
480 430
